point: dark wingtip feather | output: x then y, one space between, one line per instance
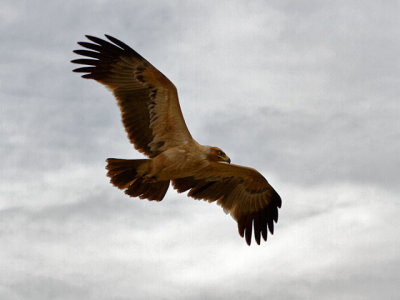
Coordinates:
118 42
83 44
257 229
84 61
270 224
92 38
105 43
241 228
278 200
90 46
264 233
83 69
249 227
92 54
87 76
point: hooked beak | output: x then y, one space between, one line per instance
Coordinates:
228 160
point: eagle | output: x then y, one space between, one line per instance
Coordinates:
153 120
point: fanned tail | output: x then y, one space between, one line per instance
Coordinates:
128 175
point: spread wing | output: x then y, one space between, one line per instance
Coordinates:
148 100
241 191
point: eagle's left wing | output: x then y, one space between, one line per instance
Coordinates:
241 191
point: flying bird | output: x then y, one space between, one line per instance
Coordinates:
153 120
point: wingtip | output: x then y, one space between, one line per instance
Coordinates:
248 239
76 61
271 226
249 229
257 229
120 44
87 76
241 229
264 234
94 39
278 200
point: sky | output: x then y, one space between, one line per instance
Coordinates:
306 92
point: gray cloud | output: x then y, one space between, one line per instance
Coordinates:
304 91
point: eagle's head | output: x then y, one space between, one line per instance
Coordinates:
216 154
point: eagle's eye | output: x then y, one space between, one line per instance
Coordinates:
220 153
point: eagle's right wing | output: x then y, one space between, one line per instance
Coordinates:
148 100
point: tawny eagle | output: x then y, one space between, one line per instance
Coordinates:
154 122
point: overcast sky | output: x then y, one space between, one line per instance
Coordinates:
307 92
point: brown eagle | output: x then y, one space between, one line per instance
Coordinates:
154 122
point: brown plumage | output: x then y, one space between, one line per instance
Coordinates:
154 122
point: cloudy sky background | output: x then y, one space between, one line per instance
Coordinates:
307 92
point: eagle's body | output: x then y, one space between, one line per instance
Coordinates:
179 162
155 125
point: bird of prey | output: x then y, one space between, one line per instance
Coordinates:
153 120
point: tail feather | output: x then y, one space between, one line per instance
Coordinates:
123 171
147 190
128 175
